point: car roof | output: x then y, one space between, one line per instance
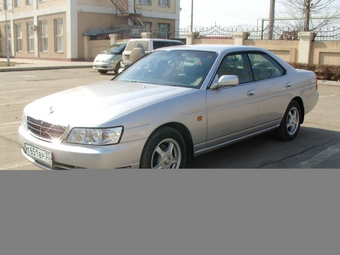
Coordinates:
219 48
155 39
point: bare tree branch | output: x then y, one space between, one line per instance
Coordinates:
313 14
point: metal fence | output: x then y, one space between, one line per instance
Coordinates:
279 33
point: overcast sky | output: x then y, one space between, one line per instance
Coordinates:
223 12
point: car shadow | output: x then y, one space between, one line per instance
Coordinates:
266 150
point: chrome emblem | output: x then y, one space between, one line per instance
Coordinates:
51 110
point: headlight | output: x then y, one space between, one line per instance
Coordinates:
24 120
95 136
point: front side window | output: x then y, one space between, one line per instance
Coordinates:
264 66
163 3
59 35
235 64
30 41
19 37
43 36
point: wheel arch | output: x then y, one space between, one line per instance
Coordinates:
184 131
302 108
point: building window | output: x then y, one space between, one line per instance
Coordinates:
59 36
163 30
16 3
42 1
43 36
163 3
19 37
30 28
29 2
7 4
145 1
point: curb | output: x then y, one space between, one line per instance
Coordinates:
33 68
330 83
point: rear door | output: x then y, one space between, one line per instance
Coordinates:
274 89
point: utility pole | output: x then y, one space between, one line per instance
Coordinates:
271 19
192 16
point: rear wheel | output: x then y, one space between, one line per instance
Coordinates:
165 148
290 123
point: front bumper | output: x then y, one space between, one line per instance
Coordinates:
105 66
75 156
108 67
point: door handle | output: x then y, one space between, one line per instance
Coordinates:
251 92
289 84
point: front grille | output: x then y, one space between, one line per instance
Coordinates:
45 130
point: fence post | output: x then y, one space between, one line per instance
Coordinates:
146 35
305 44
113 38
239 37
190 38
86 47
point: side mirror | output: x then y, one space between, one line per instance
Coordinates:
225 81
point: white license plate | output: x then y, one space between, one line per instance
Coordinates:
39 154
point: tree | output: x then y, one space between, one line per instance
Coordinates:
311 15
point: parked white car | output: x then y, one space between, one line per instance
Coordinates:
109 59
168 107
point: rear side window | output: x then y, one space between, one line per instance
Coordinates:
161 44
137 44
264 67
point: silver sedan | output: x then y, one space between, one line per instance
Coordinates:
168 107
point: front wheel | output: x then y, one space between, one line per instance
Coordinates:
290 123
117 68
165 148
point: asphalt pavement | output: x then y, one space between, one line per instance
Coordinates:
43 64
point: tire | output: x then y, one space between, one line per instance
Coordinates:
290 123
102 71
117 68
164 149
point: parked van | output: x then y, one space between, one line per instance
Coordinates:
136 48
109 59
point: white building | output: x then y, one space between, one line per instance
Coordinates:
54 29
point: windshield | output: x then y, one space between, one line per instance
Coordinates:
115 48
184 68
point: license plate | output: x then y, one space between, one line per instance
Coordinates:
39 154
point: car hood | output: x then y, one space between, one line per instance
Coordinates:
96 104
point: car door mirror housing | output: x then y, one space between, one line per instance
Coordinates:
225 81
